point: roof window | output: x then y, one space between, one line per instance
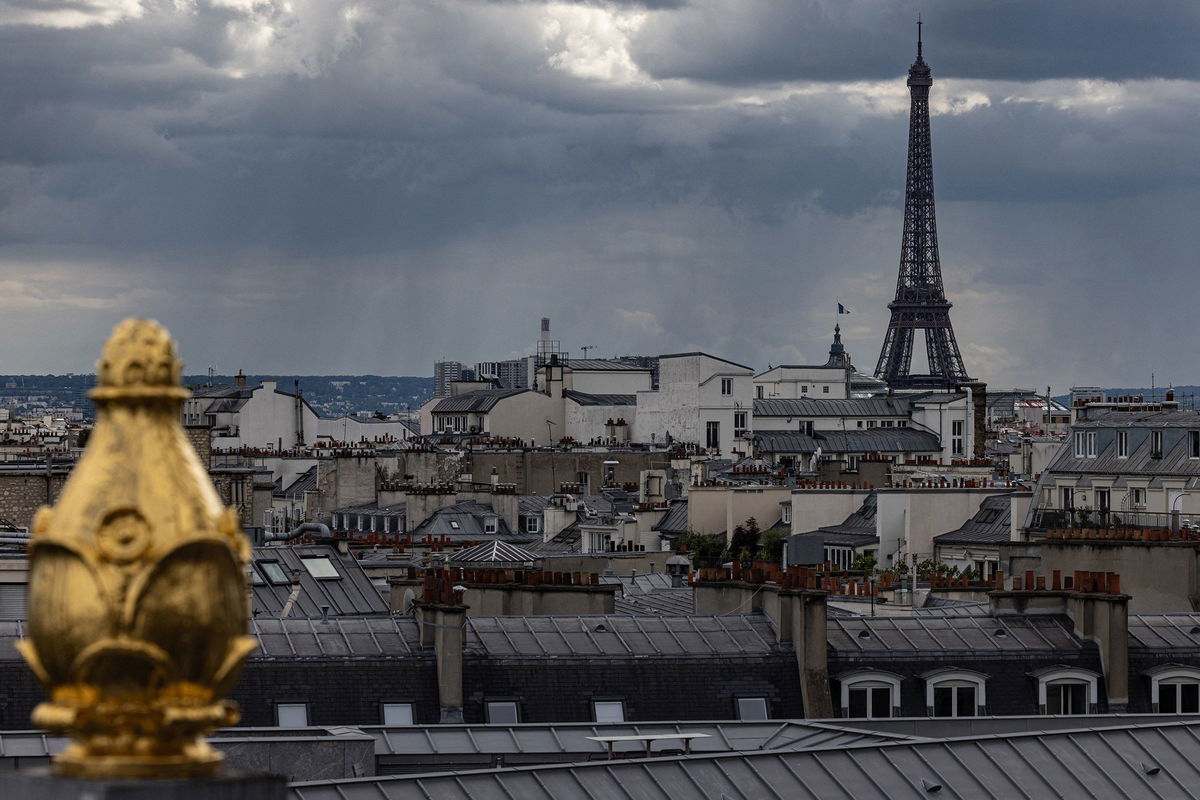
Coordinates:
320 567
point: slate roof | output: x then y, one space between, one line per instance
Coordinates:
492 553
479 401
858 529
350 594
621 636
979 636
989 525
675 520
585 399
805 407
1131 761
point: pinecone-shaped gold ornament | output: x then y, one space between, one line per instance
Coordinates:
138 601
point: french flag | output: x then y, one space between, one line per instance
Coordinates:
845 309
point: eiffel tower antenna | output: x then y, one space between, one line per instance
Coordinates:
920 303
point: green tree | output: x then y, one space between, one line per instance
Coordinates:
745 537
864 563
770 547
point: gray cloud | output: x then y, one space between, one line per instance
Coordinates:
329 190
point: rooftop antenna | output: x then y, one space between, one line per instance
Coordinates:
587 347
919 24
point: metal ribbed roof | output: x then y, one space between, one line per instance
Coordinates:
601 364
804 407
989 525
367 637
585 399
668 602
493 552
878 440
478 401
1177 632
622 636
1124 762
570 738
976 635
675 520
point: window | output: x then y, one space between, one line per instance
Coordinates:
954 693
1156 444
273 571
454 524
785 513
860 423
852 463
803 390
1193 444
1067 691
872 423
1122 444
1175 689
397 714
956 434
870 695
1091 444
320 567
1137 497
739 423
825 389
490 525
1067 497
1080 452
726 386
502 712
752 709
533 525
712 435
255 578
291 715
608 710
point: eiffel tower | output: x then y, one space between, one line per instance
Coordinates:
920 303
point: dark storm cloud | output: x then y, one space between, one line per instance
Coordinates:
425 180
834 40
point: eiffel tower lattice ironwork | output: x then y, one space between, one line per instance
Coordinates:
920 303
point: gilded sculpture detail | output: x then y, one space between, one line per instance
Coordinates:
138 601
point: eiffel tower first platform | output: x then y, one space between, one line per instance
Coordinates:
920 303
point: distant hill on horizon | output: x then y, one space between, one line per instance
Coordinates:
329 395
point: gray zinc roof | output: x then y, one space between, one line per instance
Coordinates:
980 636
601 365
675 520
338 638
878 440
989 525
1175 632
805 407
622 636
571 738
1121 762
351 593
480 400
783 442
585 399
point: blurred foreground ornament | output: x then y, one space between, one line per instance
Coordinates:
138 601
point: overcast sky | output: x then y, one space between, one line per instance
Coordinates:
318 186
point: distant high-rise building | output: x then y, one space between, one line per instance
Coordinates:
445 373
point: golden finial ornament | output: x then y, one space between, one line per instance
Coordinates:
138 600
